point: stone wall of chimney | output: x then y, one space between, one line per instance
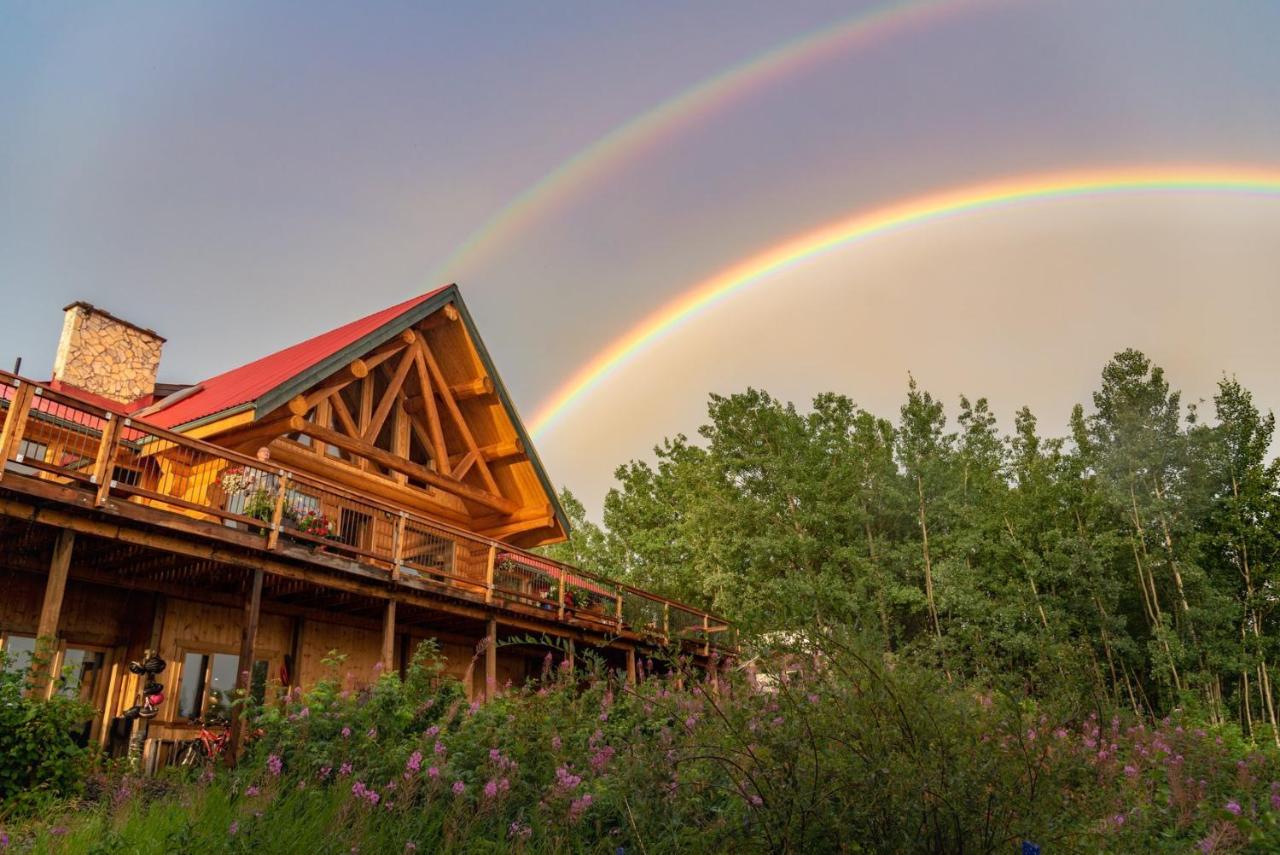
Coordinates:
105 355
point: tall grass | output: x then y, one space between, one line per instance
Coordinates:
825 749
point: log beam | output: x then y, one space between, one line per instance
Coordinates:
408 467
244 669
389 637
473 389
491 661
50 611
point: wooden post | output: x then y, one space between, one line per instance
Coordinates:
104 463
244 675
16 422
706 634
295 652
560 592
573 656
666 623
389 637
491 661
397 546
277 512
619 609
50 610
631 666
488 575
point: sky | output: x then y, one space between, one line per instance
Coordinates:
239 176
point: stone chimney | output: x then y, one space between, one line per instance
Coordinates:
105 355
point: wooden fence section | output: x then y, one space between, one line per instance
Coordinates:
54 435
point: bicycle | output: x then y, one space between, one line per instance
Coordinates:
207 746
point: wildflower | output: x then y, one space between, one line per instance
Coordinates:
519 829
474 708
813 699
409 845
305 712
491 789
275 765
57 831
556 743
459 788
373 733
251 791
346 733
495 755
440 749
344 770
1234 807
579 806
324 772
234 828
433 772
1119 819
1130 770
413 764
432 731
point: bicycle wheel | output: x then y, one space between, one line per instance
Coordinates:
190 754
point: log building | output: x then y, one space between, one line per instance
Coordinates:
357 492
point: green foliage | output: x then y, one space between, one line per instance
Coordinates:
1140 551
39 758
819 743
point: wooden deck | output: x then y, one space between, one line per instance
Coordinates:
164 512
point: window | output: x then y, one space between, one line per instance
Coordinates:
209 681
18 650
81 670
129 477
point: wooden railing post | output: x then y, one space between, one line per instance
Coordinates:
16 422
706 634
104 465
560 593
488 574
619 613
666 623
277 512
397 545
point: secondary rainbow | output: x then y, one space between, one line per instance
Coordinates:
694 103
884 220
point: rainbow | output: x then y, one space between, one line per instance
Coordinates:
680 110
881 221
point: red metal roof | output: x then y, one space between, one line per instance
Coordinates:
249 382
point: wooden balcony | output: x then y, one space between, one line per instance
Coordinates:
70 463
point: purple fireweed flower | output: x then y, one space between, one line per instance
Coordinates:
4 840
579 806
440 749
1130 770
495 755
491 789
432 731
250 791
344 770
409 845
373 733
1118 819
1234 807
346 733
433 772
234 828
414 763
324 772
305 712
474 708
519 829
275 765
459 788
556 743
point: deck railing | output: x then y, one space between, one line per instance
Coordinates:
58 436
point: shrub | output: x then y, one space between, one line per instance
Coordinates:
39 757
